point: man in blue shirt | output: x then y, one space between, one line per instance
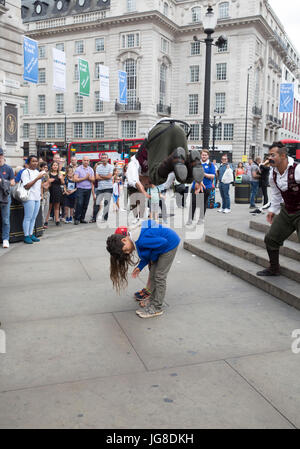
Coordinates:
6 174
209 175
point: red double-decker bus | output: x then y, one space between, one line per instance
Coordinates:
293 147
117 149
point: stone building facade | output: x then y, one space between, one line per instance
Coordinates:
11 69
158 43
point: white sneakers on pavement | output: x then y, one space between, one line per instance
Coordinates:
227 211
5 244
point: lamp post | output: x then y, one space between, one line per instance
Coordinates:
246 120
209 24
214 127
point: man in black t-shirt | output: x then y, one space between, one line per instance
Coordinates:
6 174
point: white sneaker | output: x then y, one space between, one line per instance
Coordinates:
227 211
221 210
5 244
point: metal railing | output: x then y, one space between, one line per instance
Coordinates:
131 106
163 109
257 111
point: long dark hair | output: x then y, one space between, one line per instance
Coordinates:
119 261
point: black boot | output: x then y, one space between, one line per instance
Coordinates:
175 162
195 169
274 268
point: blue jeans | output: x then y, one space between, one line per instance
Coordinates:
5 213
254 190
31 210
224 192
82 202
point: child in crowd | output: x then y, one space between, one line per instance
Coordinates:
153 243
116 190
69 194
154 192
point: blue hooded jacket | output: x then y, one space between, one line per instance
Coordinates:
153 239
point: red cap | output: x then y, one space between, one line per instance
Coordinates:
122 230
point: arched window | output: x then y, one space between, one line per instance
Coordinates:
162 84
196 14
223 10
166 9
130 69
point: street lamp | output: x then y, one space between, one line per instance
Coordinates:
247 101
209 24
214 127
65 145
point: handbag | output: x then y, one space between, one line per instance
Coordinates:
20 193
227 178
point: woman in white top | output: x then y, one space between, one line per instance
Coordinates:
32 180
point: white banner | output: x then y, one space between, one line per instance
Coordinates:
104 83
59 70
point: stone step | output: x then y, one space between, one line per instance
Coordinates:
262 227
289 268
255 237
281 287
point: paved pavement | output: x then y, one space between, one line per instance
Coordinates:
77 355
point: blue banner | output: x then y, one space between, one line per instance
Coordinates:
31 60
122 87
286 97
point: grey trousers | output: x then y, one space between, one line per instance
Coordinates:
158 277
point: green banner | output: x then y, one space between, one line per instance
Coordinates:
84 78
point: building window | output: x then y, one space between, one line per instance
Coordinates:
194 132
130 69
223 48
131 5
97 70
41 130
195 48
50 130
194 73
128 129
78 103
42 104
60 103
99 43
228 131
163 84
99 130
89 130
193 104
26 131
60 46
131 40
164 45
60 130
224 10
166 9
76 73
218 132
196 14
42 51
25 106
79 47
77 130
222 72
98 102
42 76
220 103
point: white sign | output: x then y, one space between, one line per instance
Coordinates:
8 82
59 70
104 83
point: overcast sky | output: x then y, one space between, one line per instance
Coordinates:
288 12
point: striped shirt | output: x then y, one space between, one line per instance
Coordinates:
105 170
